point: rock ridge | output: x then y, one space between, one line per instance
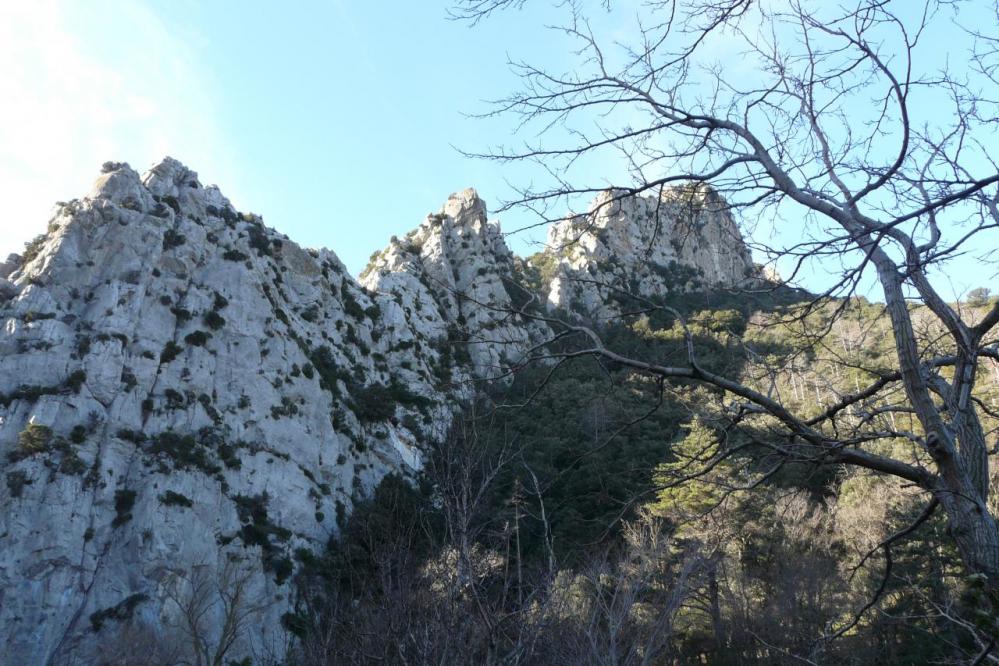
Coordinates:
185 392
684 239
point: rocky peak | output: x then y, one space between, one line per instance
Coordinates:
458 261
682 240
169 177
465 207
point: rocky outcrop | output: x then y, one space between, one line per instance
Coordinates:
182 388
189 400
648 246
12 263
457 264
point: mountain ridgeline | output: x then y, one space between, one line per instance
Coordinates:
188 396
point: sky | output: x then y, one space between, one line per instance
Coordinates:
340 122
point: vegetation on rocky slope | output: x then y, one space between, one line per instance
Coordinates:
552 527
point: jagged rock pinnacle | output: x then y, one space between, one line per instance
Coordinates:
646 245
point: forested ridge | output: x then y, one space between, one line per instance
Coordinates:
582 514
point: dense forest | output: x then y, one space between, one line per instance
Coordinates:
583 514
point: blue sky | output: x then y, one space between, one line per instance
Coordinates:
337 121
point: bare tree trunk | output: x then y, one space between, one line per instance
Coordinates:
716 615
963 499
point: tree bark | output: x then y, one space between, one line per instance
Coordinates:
971 525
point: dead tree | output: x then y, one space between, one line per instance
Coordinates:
215 610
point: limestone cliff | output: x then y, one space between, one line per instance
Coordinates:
187 396
458 266
181 386
648 246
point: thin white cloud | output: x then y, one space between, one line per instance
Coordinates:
75 97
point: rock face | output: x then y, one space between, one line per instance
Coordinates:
10 265
456 270
181 387
188 399
647 246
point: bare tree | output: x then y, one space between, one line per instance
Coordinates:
134 644
215 610
633 604
844 124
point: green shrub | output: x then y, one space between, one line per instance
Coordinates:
377 402
171 498
32 440
36 439
170 351
286 408
78 434
258 240
172 239
372 403
213 320
197 338
325 364
124 500
311 313
71 462
227 453
128 379
184 451
130 436
32 248
282 567
29 393
82 346
76 380
171 201
174 399
258 530
350 305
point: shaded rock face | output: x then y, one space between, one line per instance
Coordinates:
188 399
11 264
648 246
